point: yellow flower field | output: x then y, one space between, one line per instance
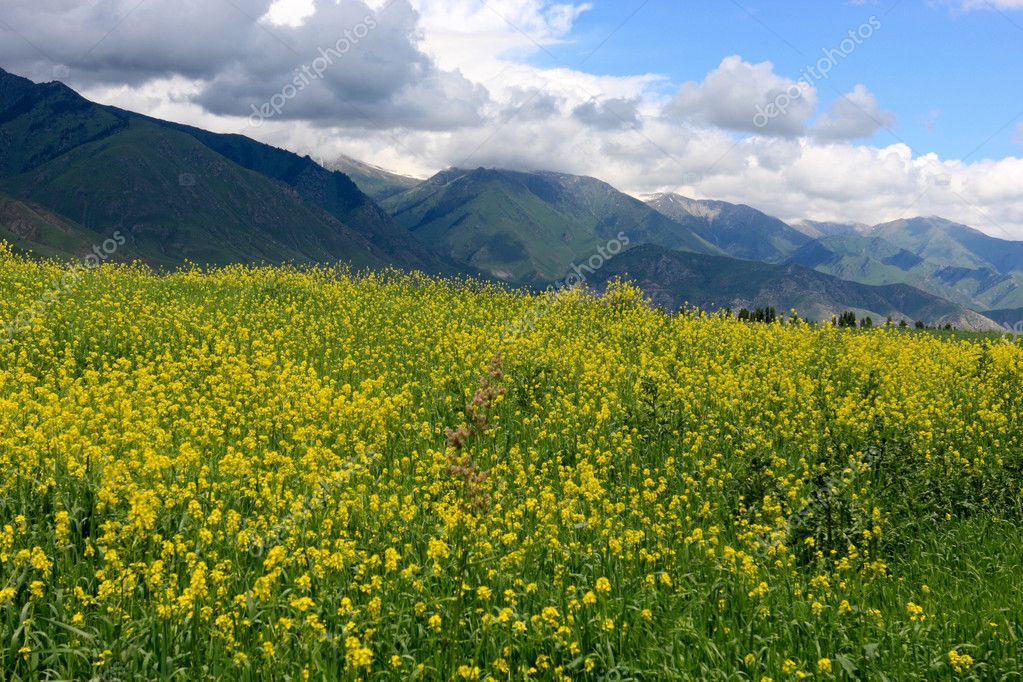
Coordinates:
283 474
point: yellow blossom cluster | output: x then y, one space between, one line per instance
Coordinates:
248 473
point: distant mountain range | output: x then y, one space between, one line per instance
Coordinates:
373 180
530 227
817 229
673 279
944 258
180 193
72 172
736 229
1011 319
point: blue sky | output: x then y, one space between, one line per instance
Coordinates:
953 78
923 117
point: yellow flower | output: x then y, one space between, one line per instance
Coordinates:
360 657
959 662
603 585
302 603
916 612
824 665
467 672
437 549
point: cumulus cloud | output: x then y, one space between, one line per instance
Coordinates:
609 114
746 97
854 115
454 82
529 104
344 62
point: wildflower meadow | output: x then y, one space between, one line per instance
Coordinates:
290 474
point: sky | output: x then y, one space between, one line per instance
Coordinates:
849 110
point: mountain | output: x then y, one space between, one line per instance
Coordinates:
73 172
952 244
1010 318
874 260
818 229
738 230
376 182
530 227
944 258
673 278
32 228
180 193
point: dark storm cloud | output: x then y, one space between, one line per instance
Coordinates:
610 114
345 65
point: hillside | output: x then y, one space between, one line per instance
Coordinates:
530 227
72 172
209 210
738 230
30 228
953 244
376 182
1010 318
180 193
817 228
949 260
673 279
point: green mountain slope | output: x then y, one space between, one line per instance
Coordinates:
30 228
38 123
948 260
952 244
376 182
530 227
330 190
738 230
174 199
817 228
178 192
673 278
873 260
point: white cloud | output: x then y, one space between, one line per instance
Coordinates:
609 114
289 12
852 116
746 97
367 63
990 4
483 39
452 82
